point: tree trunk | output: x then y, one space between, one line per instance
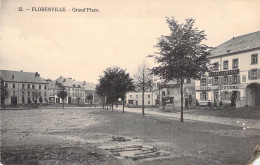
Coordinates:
143 102
4 103
181 100
123 104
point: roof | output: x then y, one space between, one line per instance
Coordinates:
20 76
54 85
237 44
69 82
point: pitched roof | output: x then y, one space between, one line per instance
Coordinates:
53 85
69 82
20 76
238 44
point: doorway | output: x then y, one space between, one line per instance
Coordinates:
253 94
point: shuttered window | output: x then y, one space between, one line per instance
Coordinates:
229 79
225 80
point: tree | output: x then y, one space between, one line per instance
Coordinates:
62 94
4 93
181 54
143 80
114 84
89 97
40 99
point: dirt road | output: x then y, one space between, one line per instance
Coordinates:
97 136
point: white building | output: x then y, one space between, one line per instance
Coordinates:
235 73
24 87
134 98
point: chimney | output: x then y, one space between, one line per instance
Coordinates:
36 74
21 70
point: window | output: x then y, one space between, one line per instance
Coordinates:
225 65
23 86
215 66
29 94
226 80
254 58
148 102
148 96
29 86
244 78
203 96
203 82
234 79
45 94
23 93
45 87
136 96
168 92
40 87
163 93
6 85
33 86
235 63
40 94
13 93
253 73
13 85
215 80
225 96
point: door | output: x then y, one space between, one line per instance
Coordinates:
69 100
13 100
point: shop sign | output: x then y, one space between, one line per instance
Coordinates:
224 73
228 87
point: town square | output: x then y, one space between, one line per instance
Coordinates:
173 82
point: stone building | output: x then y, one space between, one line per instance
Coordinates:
134 98
170 94
75 90
235 73
24 87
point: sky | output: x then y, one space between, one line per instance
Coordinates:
81 45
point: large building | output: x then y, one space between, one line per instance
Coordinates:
54 88
75 90
134 98
235 73
24 87
170 94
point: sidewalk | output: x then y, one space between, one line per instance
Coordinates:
244 123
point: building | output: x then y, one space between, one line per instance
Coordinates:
134 98
24 87
235 73
75 90
90 90
170 94
54 88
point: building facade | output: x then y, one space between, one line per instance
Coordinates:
134 98
170 94
54 88
235 73
75 90
24 87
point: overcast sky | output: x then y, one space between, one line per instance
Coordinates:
123 33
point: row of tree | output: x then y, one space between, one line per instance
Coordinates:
182 55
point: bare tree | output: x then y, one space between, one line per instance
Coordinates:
143 80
